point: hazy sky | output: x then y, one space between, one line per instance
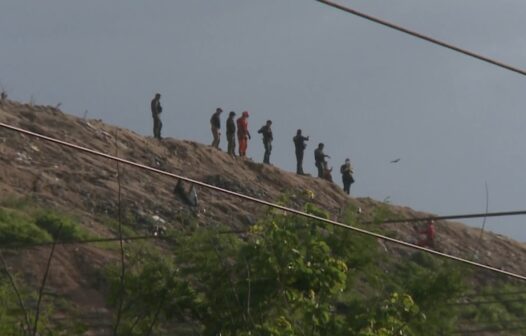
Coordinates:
367 92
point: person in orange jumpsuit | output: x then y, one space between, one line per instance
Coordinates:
428 235
243 135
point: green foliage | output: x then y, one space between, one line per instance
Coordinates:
17 227
497 308
282 280
392 316
151 293
113 224
22 222
290 276
12 316
60 227
432 283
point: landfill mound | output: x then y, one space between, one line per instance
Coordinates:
87 187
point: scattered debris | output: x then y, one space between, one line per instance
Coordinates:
158 228
23 157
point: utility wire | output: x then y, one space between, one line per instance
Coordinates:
496 329
423 37
121 244
101 240
472 295
436 218
475 303
44 279
269 204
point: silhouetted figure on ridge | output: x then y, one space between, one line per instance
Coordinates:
231 133
347 177
215 123
300 145
266 131
156 111
319 159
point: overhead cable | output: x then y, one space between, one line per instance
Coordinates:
260 201
424 37
24 246
436 218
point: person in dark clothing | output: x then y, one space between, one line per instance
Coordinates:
156 111
231 133
319 158
215 123
299 143
266 131
347 178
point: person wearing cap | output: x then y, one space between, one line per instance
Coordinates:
319 159
347 178
266 131
215 123
156 111
243 135
300 145
231 133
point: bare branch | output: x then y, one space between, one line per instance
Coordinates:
123 269
41 290
17 292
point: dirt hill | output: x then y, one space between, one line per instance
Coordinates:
87 187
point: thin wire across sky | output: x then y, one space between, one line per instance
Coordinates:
424 37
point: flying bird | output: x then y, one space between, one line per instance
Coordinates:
395 160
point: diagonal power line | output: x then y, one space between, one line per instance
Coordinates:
260 201
424 37
448 217
31 245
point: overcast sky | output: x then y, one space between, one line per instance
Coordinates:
367 92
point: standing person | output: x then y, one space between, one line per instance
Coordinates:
319 158
243 135
266 131
156 111
231 133
347 178
427 236
299 143
215 123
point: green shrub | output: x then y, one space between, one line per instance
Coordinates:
60 227
18 228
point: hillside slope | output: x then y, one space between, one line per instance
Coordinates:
87 187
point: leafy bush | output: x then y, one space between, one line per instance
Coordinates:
60 227
152 291
17 228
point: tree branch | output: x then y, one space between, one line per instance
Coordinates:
17 293
41 290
